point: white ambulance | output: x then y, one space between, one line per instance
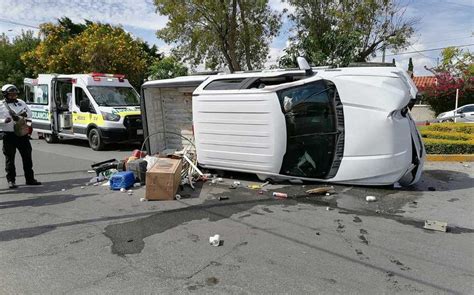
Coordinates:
100 108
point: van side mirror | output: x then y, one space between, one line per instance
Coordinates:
460 111
85 106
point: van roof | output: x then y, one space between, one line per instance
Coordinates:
182 81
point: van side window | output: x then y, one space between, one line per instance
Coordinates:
36 94
225 84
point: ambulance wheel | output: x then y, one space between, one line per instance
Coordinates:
95 140
50 138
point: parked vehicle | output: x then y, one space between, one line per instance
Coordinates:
342 125
100 108
464 114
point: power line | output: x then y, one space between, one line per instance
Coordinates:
431 49
17 23
458 4
448 40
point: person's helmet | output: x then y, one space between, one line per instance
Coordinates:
9 88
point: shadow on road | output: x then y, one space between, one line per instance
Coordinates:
42 201
47 186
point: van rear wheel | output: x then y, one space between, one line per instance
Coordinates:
51 138
95 140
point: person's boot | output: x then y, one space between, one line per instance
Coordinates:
12 184
33 182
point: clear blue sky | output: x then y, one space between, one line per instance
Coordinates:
442 23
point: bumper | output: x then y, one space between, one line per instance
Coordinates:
113 135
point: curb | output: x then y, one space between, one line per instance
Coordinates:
450 158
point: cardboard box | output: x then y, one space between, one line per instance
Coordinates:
163 179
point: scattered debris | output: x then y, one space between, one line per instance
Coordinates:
143 200
220 179
378 211
466 165
329 208
328 194
280 195
431 189
164 179
123 179
296 181
177 197
321 190
236 182
222 198
370 198
122 190
254 186
436 225
260 192
96 184
63 190
82 187
215 240
232 186
137 184
346 189
397 185
90 171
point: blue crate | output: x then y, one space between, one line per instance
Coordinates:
124 179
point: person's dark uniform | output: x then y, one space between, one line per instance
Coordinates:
12 142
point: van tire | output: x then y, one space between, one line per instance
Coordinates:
95 140
51 138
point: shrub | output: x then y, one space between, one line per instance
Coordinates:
450 127
445 146
448 138
447 135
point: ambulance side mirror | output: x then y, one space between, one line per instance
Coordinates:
85 106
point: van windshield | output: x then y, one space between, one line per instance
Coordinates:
311 123
114 96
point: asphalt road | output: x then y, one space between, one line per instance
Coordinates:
66 237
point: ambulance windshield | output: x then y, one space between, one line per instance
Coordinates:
114 96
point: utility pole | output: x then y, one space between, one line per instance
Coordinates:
456 105
383 52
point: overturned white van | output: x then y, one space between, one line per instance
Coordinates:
343 125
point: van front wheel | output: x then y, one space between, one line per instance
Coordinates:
95 140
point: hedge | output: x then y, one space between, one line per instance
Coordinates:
447 135
446 146
448 138
450 127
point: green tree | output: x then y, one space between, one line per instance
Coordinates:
235 33
12 69
166 68
339 32
94 47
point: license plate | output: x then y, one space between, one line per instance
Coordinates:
140 132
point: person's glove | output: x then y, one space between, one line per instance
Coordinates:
15 118
8 120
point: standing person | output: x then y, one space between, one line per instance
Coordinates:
15 111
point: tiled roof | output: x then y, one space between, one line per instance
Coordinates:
424 81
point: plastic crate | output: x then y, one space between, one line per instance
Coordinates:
124 179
